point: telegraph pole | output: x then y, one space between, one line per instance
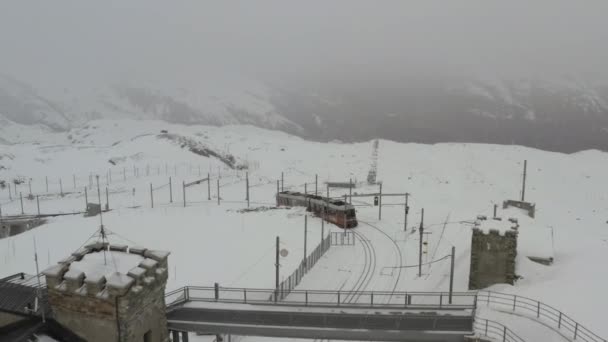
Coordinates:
380 204
407 210
523 185
276 267
452 273
421 229
208 187
305 238
247 184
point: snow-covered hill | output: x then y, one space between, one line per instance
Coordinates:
565 114
453 182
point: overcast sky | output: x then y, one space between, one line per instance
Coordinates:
177 40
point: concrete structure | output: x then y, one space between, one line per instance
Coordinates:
13 225
110 293
530 208
493 252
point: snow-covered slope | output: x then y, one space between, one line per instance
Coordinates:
453 182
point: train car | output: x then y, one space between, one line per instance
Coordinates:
336 211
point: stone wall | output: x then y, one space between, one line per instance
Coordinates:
8 318
117 307
492 258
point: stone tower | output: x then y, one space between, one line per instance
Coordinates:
110 293
493 253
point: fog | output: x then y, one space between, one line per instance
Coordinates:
175 41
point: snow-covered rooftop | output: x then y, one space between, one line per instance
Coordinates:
96 264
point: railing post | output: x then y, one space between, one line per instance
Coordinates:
306 295
514 301
559 321
440 300
575 331
504 334
338 298
486 328
488 302
216 289
475 302
185 294
245 295
538 310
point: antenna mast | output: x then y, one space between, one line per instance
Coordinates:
102 231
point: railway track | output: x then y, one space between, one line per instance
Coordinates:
400 255
369 268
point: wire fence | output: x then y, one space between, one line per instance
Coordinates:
548 314
287 285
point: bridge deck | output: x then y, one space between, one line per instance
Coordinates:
387 324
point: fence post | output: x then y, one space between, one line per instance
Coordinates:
170 190
216 289
86 199
38 204
21 198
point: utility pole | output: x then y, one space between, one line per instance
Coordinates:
407 210
276 267
184 192
277 192
350 191
316 185
38 297
107 199
328 190
421 229
380 204
452 273
523 185
247 184
305 238
322 229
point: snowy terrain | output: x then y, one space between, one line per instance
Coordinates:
217 243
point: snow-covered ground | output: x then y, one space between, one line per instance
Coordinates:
217 243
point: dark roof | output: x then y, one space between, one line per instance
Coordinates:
24 331
18 292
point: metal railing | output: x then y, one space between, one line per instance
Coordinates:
550 315
495 330
376 299
287 285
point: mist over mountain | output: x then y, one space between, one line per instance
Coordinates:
421 71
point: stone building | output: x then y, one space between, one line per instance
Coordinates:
493 252
110 293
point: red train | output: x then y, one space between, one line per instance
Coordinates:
333 210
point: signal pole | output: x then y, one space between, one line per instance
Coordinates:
407 210
421 229
523 186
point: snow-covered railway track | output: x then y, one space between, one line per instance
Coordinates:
369 268
399 265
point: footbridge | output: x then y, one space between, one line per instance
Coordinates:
337 315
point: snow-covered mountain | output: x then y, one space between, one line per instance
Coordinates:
563 115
